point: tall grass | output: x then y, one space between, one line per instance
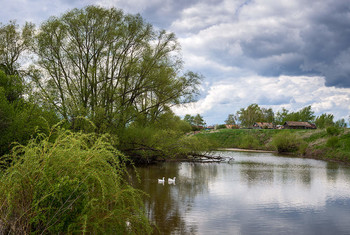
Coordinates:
288 142
72 184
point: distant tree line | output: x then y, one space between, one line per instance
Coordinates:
197 122
246 117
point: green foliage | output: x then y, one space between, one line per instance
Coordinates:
340 123
287 142
316 136
189 119
333 142
307 142
147 144
239 138
13 43
74 183
6 111
162 139
268 115
251 114
282 116
12 85
249 142
196 122
231 119
19 123
332 130
110 67
222 126
304 115
324 120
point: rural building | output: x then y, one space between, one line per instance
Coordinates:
263 125
298 125
210 128
231 126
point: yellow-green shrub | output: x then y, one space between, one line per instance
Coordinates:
74 184
288 142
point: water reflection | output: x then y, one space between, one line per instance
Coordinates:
257 194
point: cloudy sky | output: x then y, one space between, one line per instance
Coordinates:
274 53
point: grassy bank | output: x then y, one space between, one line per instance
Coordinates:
327 144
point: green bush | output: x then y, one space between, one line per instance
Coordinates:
333 142
332 130
249 142
73 184
288 142
222 126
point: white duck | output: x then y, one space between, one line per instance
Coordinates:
161 181
171 181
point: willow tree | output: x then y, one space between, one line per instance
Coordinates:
14 42
111 67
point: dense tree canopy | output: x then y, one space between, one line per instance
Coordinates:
247 116
231 119
110 67
304 115
14 42
324 120
196 120
253 113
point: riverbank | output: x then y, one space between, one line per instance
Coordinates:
246 150
324 144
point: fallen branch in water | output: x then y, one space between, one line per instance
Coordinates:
204 158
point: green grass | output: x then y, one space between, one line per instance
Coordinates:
313 143
240 138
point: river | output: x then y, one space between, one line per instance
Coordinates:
259 193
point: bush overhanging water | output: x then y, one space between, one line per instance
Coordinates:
75 183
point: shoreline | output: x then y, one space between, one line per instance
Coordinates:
306 156
246 150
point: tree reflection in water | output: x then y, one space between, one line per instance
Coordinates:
166 204
258 192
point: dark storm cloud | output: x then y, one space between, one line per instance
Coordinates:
321 45
327 43
275 38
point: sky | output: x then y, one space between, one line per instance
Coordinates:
284 53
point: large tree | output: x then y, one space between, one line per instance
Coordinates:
268 115
303 115
14 43
324 120
249 115
198 120
110 67
231 119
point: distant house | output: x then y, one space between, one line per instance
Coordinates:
263 125
299 125
210 128
231 126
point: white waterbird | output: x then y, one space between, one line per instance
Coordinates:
171 181
161 181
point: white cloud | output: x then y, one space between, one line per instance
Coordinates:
291 92
243 48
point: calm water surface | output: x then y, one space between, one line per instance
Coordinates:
259 193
